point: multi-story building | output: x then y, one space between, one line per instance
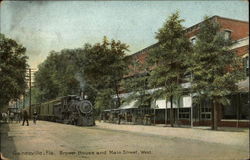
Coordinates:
185 112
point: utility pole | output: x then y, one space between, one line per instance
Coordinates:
30 91
28 76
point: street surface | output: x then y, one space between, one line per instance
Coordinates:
55 141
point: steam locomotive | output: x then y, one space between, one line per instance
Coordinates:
68 109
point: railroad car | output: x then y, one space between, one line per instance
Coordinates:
68 109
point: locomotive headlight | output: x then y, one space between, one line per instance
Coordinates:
85 97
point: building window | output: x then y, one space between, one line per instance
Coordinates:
193 40
227 34
184 113
205 109
206 115
246 65
244 111
230 111
238 107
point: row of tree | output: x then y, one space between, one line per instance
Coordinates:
213 67
98 70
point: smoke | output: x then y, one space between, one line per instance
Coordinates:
15 15
79 78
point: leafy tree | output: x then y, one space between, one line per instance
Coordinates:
104 100
103 68
58 75
167 60
13 64
215 67
45 78
137 85
34 97
96 70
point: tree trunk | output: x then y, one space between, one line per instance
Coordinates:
171 111
215 115
117 95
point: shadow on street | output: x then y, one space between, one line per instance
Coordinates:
7 146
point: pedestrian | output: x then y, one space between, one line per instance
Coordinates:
25 117
5 117
11 116
119 118
35 117
1 116
101 117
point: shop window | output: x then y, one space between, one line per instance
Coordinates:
184 113
205 109
244 107
238 107
230 111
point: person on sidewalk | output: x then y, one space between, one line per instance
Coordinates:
25 117
119 118
35 115
12 116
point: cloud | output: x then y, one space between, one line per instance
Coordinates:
38 43
20 10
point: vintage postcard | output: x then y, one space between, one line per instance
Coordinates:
124 80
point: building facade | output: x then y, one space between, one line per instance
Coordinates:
185 111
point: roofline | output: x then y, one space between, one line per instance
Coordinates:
231 19
193 26
216 16
144 49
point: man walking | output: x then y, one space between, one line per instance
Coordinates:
35 115
11 115
25 117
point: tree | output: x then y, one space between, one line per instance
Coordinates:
167 60
215 67
103 68
13 64
59 75
137 85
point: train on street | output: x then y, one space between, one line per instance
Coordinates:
70 109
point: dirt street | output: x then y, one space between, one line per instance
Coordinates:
54 141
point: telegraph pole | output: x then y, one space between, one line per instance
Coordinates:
28 79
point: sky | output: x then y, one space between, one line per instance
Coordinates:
43 26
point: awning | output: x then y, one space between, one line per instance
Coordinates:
243 86
130 105
108 110
161 104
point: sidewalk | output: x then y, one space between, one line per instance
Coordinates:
228 136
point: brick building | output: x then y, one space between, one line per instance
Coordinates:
235 115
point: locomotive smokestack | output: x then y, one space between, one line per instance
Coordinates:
82 95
